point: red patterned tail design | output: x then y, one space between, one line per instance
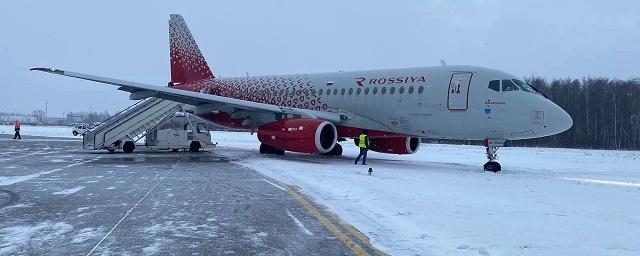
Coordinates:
187 62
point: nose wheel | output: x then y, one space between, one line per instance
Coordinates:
492 167
492 146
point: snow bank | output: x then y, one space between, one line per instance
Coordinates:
438 201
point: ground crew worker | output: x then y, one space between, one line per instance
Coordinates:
363 144
17 128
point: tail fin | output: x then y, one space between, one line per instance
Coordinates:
187 62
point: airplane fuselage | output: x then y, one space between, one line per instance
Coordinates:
448 102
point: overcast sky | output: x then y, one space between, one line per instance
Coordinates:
129 40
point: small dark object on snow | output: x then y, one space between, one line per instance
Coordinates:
370 171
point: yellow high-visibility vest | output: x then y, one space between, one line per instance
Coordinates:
362 141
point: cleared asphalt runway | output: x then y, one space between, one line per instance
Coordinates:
56 199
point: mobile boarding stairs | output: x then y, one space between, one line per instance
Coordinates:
124 129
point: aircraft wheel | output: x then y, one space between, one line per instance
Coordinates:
336 151
195 146
268 149
264 148
128 147
492 167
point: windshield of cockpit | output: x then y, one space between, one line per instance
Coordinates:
505 85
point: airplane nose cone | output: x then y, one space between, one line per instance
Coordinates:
560 120
565 121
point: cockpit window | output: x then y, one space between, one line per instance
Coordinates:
508 85
494 85
522 85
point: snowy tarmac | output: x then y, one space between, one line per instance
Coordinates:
58 200
435 202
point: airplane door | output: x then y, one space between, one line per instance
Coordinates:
458 95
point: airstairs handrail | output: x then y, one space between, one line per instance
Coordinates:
104 136
101 127
114 115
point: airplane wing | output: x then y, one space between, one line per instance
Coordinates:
139 91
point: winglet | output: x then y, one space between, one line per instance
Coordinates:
49 70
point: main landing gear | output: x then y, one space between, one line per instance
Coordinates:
267 149
492 146
335 151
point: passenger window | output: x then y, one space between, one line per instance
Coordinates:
366 90
420 89
494 85
358 91
375 90
335 91
508 85
320 92
410 89
343 91
392 90
401 91
350 91
383 90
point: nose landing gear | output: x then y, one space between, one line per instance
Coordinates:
492 146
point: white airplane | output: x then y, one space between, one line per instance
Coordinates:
311 113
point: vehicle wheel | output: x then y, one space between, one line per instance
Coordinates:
195 146
75 133
492 167
128 147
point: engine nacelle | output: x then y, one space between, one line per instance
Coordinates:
397 145
299 135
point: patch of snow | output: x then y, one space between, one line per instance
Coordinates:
154 248
69 191
82 209
13 237
299 224
86 234
182 229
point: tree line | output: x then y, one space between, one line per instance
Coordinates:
605 112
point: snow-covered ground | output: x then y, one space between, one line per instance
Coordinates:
438 201
46 131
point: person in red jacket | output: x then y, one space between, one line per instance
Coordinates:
17 135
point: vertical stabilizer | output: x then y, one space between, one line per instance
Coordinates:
187 62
